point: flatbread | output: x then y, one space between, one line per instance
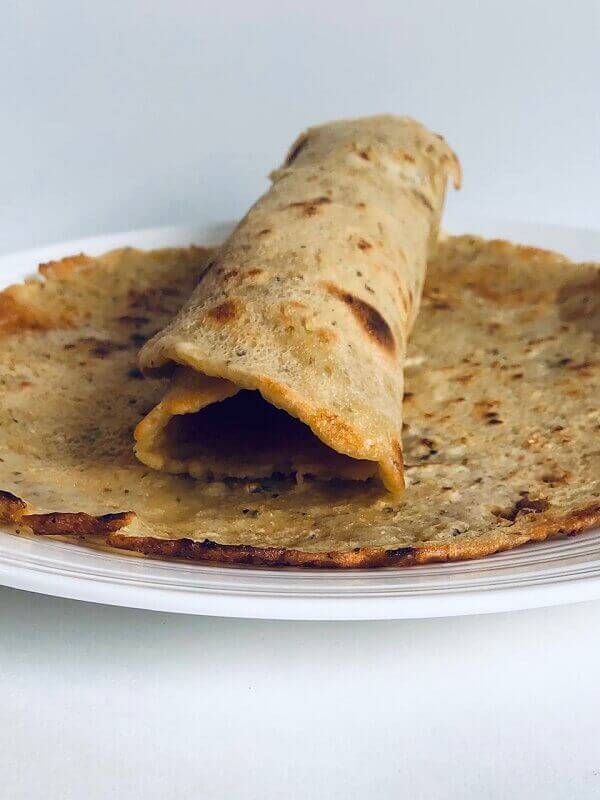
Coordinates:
501 429
296 335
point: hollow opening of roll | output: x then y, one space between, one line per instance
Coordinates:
244 436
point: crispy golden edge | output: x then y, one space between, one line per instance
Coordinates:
11 507
80 525
60 523
19 313
363 557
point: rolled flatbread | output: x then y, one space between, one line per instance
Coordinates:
288 357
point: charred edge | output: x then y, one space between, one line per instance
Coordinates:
208 268
224 312
400 554
525 505
370 319
296 150
11 507
208 550
77 523
64 266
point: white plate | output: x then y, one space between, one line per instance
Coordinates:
550 573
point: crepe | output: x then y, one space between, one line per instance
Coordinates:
288 358
501 422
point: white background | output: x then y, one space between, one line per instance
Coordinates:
119 115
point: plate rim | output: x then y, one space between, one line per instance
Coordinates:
35 571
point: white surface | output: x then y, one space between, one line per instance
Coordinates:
133 113
99 703
551 573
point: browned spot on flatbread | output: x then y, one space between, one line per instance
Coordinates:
326 335
252 273
368 317
362 244
310 207
579 302
153 300
76 524
11 507
224 312
101 348
128 319
556 476
296 150
422 198
525 505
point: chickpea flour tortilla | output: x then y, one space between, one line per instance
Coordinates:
501 419
288 358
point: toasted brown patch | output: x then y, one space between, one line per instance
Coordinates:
579 302
362 244
296 150
152 300
101 348
310 207
128 319
326 335
224 312
422 198
525 505
369 318
76 524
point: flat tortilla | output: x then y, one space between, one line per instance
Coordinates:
501 419
298 329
